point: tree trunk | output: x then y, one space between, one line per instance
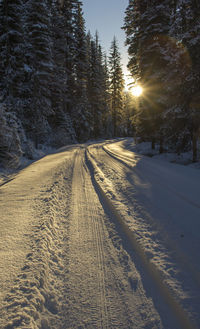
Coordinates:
115 124
194 146
161 150
153 144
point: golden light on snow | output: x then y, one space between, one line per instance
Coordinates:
137 90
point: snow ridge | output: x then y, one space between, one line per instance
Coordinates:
33 300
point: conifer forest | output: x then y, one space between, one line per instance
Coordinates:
99 168
58 87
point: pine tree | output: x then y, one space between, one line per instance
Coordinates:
13 73
59 81
177 136
101 77
106 100
190 14
148 32
11 51
116 87
38 57
10 144
183 77
68 12
132 28
93 90
60 120
129 112
81 114
96 86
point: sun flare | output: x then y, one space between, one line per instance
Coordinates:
137 91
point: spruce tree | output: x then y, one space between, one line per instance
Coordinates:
147 26
81 113
132 27
60 120
12 76
183 77
106 117
190 14
11 51
39 61
93 90
116 87
102 90
59 81
177 136
68 9
96 86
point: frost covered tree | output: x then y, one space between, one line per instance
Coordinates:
59 81
10 141
106 99
69 93
116 87
183 78
147 26
13 76
102 82
130 105
190 36
53 78
93 89
163 45
132 28
61 96
39 63
96 86
81 113
68 7
11 51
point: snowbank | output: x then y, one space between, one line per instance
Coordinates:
144 148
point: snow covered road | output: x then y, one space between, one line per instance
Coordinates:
97 236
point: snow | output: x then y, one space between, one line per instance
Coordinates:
7 174
98 235
160 203
145 149
28 249
27 68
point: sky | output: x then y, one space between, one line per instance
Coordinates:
107 17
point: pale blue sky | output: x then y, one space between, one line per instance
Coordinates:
107 17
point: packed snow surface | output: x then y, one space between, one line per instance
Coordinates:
100 236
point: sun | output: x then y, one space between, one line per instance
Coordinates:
137 91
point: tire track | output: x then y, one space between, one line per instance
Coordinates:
86 236
97 233
76 273
104 289
168 296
